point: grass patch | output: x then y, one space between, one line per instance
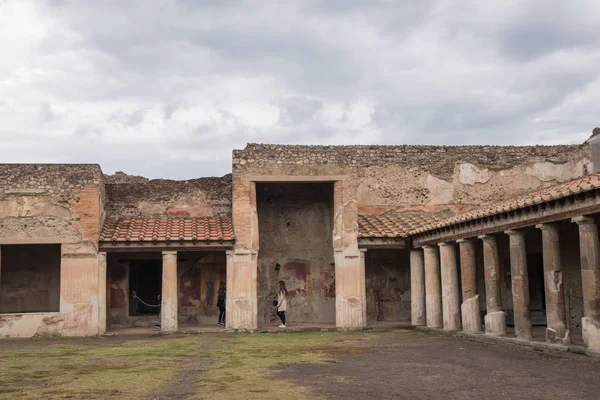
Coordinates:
242 367
128 370
239 366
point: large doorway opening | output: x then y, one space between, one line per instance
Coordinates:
295 223
145 286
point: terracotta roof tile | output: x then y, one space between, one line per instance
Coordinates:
391 225
576 186
167 229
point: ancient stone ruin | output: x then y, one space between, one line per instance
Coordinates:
494 239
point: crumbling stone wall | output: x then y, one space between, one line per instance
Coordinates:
50 202
295 232
131 196
387 274
424 178
62 205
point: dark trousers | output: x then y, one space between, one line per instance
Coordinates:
222 314
281 315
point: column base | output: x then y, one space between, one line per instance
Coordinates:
558 335
471 318
495 323
591 334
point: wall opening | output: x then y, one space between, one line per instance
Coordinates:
145 285
295 223
200 275
537 291
387 276
133 272
30 278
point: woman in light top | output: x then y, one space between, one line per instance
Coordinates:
282 303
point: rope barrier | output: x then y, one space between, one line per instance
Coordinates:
135 296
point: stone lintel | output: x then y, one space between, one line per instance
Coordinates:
176 245
297 178
382 243
25 192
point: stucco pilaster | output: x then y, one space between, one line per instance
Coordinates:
101 293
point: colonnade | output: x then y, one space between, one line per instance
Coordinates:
436 298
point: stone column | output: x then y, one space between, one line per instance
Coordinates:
363 287
557 330
520 284
168 310
450 290
101 293
433 288
417 287
471 313
495 319
590 279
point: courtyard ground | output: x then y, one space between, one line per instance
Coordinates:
398 364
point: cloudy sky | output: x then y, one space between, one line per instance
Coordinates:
167 88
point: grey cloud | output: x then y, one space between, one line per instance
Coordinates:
169 87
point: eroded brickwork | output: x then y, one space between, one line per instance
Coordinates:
423 178
135 197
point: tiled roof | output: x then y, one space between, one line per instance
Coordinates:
391 225
581 185
167 229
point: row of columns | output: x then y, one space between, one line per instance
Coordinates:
435 299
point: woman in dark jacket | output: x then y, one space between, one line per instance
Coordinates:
221 304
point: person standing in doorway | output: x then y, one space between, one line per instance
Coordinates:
282 303
221 304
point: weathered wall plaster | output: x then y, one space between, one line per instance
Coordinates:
200 275
388 285
295 231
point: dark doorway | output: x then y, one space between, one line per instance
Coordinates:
145 279
537 291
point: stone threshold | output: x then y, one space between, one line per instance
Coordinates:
528 344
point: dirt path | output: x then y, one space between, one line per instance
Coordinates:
412 365
185 383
